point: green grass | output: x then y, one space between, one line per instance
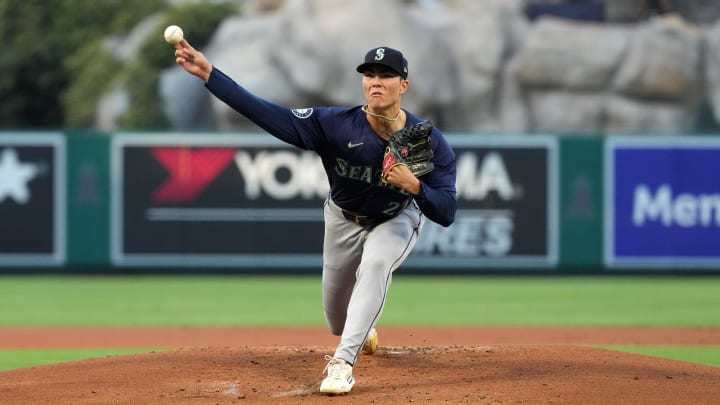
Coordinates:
412 300
296 301
11 359
159 301
555 301
708 355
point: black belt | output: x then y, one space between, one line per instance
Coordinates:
364 220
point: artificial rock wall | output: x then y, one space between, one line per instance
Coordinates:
474 66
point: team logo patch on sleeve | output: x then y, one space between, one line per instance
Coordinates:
302 112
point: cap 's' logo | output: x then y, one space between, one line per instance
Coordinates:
380 54
302 112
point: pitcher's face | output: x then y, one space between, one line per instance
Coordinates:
383 87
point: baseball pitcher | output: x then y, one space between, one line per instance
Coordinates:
389 171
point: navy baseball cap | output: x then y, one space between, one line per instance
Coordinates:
385 56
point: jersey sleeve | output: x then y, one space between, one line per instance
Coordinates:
277 120
437 199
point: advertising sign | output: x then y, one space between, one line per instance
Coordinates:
507 206
32 199
663 202
250 200
216 200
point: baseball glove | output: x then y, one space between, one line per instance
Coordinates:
410 147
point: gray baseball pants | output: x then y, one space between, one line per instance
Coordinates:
357 271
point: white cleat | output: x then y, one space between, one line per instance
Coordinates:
371 343
339 378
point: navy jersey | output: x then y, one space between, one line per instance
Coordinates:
351 153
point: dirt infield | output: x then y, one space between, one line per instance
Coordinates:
413 365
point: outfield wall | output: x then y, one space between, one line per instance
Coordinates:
246 202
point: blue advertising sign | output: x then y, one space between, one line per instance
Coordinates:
662 202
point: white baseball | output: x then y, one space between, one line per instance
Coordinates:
173 34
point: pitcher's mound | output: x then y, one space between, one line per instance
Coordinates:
503 374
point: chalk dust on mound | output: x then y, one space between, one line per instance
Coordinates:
497 374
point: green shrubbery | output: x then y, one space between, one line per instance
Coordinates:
141 77
55 65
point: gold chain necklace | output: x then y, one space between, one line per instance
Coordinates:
365 110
